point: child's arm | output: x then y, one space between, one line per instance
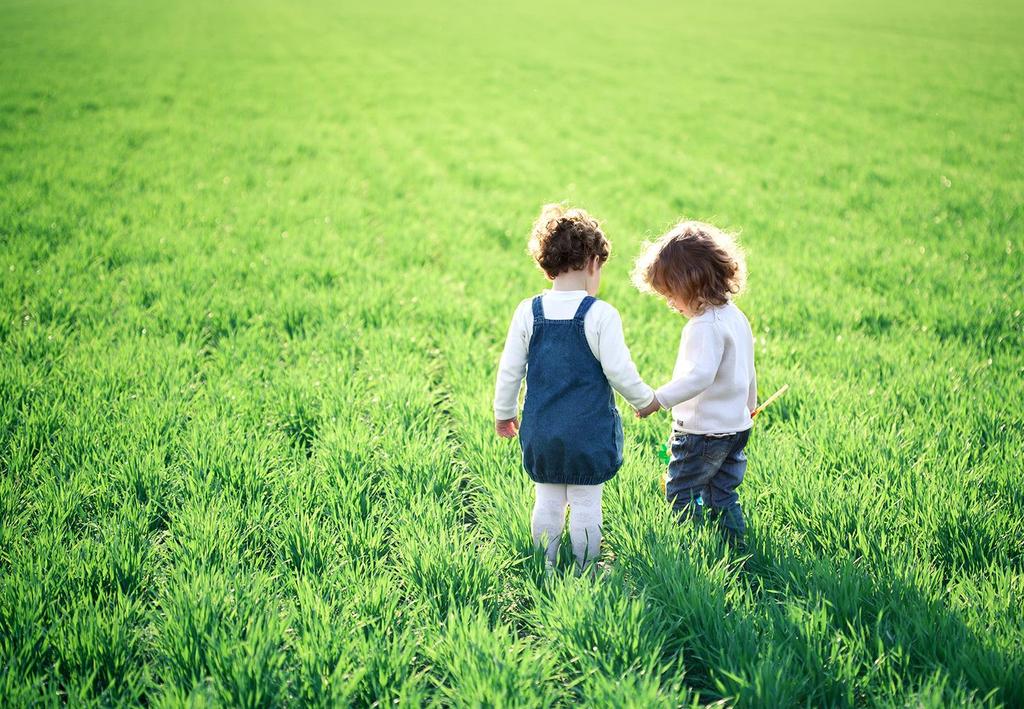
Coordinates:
511 370
617 363
702 349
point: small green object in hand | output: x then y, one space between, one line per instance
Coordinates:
663 454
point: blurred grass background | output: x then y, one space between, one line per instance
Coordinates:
258 260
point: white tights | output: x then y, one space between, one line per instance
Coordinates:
584 520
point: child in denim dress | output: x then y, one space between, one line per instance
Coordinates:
697 268
570 347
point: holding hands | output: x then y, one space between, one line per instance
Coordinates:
651 408
509 428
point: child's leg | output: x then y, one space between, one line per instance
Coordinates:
722 489
548 518
688 474
585 522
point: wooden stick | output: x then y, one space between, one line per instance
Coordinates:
771 399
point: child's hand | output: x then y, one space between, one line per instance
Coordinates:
643 413
507 428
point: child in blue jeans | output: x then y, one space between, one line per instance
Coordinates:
697 268
570 348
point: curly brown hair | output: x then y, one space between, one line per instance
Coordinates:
566 239
694 262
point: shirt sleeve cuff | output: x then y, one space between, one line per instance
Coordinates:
647 400
661 399
505 414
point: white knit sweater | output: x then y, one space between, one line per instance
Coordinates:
713 387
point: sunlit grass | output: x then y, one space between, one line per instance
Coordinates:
257 262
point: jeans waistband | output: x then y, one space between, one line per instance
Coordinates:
677 427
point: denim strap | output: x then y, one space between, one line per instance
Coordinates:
538 309
581 312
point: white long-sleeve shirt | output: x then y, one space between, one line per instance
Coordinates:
603 329
713 387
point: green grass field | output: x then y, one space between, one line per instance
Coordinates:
258 259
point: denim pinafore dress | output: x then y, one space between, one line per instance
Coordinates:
571 432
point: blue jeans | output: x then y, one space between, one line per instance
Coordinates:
708 467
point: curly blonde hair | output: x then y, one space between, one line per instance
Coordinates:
695 262
566 239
